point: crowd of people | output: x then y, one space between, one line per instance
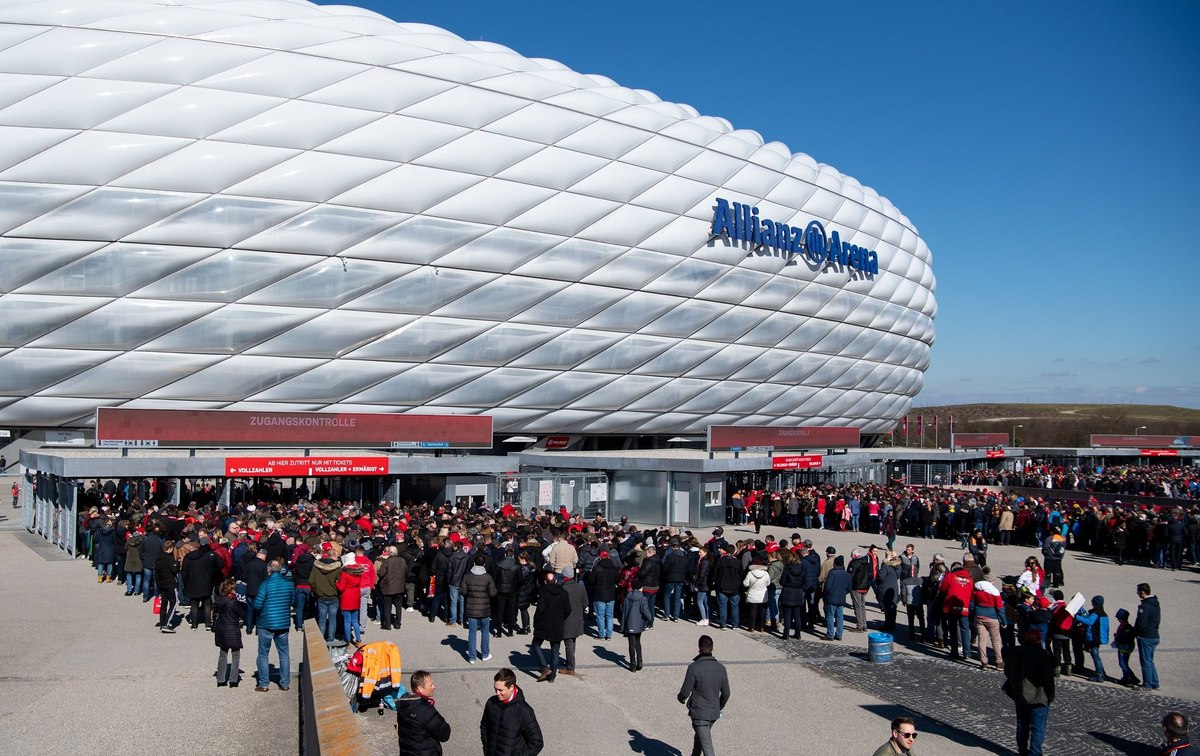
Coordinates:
1164 536
1168 481
556 577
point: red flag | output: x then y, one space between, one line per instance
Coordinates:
920 430
906 430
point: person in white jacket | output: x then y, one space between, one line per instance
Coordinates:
755 583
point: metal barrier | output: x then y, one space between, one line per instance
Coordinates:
327 726
50 508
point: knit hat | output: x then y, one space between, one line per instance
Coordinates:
1097 601
829 550
604 555
568 571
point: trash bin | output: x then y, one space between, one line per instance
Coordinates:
879 648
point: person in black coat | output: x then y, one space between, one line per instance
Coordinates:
254 572
508 726
228 614
728 582
165 571
602 581
200 573
791 596
104 551
148 550
527 577
553 608
650 572
420 727
507 574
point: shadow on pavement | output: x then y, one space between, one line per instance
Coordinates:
639 743
458 644
931 724
1125 746
608 655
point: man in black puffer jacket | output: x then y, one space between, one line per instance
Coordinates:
507 574
509 727
420 727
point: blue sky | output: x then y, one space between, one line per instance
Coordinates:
1048 153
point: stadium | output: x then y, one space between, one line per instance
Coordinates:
287 207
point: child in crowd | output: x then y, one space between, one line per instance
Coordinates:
1124 641
1094 635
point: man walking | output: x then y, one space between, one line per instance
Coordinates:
509 727
553 608
393 577
705 691
1146 626
573 625
421 729
273 607
1029 682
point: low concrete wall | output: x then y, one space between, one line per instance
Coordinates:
327 726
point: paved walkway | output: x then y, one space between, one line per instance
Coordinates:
80 659
85 671
828 697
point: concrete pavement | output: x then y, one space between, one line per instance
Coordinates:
85 670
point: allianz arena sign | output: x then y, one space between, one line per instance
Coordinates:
741 221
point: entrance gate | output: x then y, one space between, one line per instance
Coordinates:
584 494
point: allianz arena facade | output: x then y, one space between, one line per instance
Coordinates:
282 206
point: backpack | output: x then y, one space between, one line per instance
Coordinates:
1058 549
1062 621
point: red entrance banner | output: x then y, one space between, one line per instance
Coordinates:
994 453
1160 452
1144 442
303 467
797 462
977 440
225 428
748 438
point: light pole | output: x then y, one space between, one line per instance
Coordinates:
1140 428
1013 440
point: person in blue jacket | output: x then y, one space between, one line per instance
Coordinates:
273 615
837 588
1095 634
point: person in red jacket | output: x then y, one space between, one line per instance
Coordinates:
366 586
988 608
349 587
955 593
